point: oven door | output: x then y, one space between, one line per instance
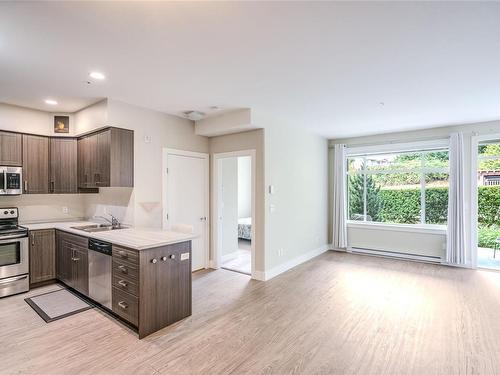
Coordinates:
13 256
11 180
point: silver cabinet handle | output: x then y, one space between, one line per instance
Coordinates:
123 254
154 260
122 304
123 283
25 186
163 259
172 256
123 268
75 259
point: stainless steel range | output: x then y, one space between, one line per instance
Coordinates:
14 253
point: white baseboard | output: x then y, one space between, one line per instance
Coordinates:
273 272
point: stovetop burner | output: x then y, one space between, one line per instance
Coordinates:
9 222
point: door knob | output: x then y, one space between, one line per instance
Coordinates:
203 218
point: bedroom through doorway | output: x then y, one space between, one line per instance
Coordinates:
234 197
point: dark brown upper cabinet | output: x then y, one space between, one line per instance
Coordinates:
106 159
35 164
63 165
11 149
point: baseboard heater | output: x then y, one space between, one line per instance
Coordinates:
399 255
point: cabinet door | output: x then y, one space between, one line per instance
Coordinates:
165 287
11 149
102 164
35 164
42 255
87 157
63 165
64 253
80 270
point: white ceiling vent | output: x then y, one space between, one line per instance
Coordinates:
194 115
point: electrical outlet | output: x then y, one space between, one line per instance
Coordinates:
65 210
280 252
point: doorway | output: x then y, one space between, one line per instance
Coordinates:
234 196
488 204
186 197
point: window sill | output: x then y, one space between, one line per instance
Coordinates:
415 228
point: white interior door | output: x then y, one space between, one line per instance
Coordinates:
187 201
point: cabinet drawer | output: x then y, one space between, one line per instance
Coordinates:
121 268
126 306
121 253
74 239
125 284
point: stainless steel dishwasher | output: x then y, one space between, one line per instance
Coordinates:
100 263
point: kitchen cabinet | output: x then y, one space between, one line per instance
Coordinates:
72 264
35 164
106 159
42 255
152 288
63 165
11 149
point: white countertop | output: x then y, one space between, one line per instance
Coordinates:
134 238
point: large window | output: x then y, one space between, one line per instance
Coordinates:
399 188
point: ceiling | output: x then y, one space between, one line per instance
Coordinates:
338 69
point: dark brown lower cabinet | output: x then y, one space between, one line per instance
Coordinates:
42 255
72 263
152 288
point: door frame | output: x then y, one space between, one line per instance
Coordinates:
475 140
165 182
217 257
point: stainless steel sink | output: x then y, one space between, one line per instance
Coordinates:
96 228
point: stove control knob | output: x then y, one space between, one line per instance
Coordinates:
12 212
5 212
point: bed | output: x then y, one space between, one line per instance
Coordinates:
245 228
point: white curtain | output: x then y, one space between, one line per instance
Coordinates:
339 198
455 244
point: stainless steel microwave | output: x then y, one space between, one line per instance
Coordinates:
11 179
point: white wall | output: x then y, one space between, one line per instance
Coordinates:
26 120
469 130
153 131
228 193
297 167
244 186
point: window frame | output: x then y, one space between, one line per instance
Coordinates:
423 170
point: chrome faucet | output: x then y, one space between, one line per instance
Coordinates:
115 223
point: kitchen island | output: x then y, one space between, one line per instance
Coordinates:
149 275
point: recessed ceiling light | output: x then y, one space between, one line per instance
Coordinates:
50 101
97 75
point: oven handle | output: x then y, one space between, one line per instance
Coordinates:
13 279
11 237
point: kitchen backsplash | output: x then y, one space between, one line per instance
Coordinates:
46 207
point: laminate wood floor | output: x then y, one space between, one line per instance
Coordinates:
336 314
